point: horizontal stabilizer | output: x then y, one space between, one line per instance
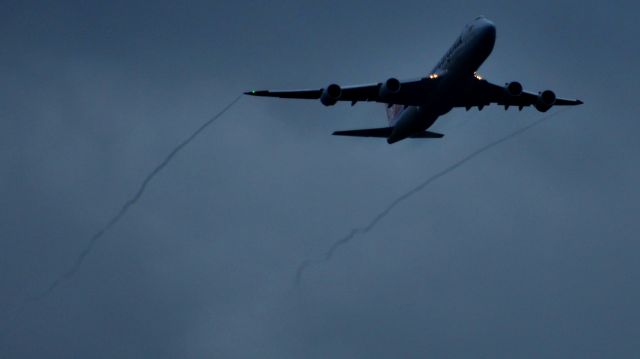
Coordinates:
427 134
384 132
368 132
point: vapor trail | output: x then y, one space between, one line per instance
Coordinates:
125 207
11 315
363 230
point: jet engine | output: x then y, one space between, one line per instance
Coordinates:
389 87
545 100
330 95
514 88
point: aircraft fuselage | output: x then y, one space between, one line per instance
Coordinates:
455 69
414 105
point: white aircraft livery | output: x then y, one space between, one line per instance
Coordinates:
414 105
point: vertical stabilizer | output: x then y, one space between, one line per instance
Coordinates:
393 114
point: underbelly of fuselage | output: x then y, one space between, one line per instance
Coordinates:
415 119
412 120
454 77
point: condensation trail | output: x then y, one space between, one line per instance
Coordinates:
11 315
127 205
363 230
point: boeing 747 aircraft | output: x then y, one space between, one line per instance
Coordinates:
414 105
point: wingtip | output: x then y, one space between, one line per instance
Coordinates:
256 93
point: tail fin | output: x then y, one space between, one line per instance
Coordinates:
393 114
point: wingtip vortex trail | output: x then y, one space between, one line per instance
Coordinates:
307 263
75 267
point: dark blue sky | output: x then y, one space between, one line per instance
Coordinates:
530 250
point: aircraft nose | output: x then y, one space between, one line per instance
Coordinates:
488 33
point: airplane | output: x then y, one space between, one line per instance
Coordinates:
414 105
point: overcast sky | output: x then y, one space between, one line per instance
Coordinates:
528 251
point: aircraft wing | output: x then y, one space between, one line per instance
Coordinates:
478 93
483 93
409 92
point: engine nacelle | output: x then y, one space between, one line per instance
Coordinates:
330 95
390 87
514 88
545 100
